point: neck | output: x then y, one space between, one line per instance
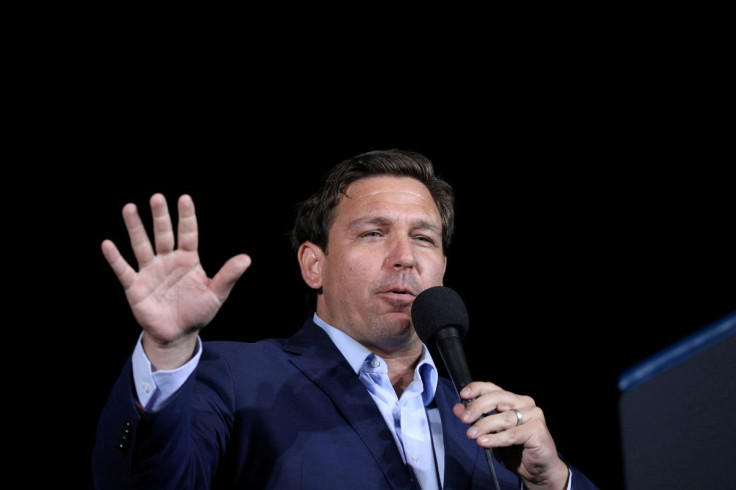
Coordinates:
401 371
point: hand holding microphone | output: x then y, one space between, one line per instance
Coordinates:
509 423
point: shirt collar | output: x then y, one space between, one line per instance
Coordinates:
356 354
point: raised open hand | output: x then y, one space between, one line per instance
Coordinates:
170 295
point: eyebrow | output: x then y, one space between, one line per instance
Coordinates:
420 224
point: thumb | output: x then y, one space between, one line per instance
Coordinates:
225 279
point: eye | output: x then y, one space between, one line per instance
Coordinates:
424 238
372 233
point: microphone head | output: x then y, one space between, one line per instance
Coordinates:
438 307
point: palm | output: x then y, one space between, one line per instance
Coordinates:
171 296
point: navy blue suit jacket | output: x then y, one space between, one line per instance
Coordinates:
275 414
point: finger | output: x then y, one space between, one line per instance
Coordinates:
499 421
486 399
225 279
123 271
471 392
493 401
506 422
476 388
188 235
503 431
139 241
163 231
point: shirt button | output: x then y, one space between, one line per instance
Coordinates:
415 457
146 387
375 362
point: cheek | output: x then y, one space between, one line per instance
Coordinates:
356 273
348 269
432 265
359 262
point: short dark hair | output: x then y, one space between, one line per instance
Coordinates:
315 215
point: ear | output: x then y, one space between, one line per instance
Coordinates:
311 259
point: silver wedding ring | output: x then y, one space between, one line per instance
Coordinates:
518 415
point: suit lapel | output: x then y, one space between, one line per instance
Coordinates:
325 366
456 443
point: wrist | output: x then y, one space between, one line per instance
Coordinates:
165 356
556 478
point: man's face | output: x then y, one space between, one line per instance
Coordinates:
384 248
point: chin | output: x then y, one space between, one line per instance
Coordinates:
403 330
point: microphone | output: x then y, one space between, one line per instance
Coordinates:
439 315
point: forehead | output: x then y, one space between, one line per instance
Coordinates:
389 190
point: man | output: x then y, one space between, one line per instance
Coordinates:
353 399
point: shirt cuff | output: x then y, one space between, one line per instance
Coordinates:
154 389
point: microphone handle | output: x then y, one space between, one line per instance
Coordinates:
449 344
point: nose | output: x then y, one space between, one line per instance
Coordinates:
401 253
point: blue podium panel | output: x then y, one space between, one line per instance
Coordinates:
677 413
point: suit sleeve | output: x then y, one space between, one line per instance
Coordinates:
177 447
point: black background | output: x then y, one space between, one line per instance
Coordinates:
594 212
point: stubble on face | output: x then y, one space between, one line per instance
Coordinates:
384 249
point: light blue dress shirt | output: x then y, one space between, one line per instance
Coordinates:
415 425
